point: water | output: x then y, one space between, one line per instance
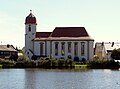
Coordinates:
59 79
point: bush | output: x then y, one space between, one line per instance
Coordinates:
69 63
83 60
7 63
30 64
34 57
69 57
116 54
61 63
102 63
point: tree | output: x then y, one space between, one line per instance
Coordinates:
115 54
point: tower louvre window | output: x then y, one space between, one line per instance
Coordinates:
29 28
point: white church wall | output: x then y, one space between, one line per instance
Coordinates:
72 49
37 47
48 48
88 49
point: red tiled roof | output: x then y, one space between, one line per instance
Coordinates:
30 19
69 32
42 34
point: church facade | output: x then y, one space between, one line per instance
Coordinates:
63 42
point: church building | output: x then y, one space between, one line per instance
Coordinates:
62 42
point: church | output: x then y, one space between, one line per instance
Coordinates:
62 42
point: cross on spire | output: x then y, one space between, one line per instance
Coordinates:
30 11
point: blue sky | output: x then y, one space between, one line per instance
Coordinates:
101 18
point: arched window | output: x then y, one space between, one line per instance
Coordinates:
29 28
76 49
69 47
56 48
41 48
63 48
82 48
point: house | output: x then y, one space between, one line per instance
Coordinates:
8 52
104 49
62 42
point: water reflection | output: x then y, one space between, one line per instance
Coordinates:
59 79
30 79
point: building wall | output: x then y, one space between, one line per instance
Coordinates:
100 50
91 49
37 47
29 36
50 49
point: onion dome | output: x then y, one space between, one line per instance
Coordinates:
30 19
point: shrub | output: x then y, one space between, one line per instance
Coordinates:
103 63
61 63
69 57
69 63
7 63
30 64
116 54
34 57
83 60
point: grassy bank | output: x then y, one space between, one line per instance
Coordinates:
59 63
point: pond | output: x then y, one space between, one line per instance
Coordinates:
59 79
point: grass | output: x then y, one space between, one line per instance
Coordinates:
81 66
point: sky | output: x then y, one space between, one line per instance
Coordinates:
101 18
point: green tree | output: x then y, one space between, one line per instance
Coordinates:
116 54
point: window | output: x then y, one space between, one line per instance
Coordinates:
56 48
82 48
69 47
76 49
41 48
2 53
27 52
29 28
63 48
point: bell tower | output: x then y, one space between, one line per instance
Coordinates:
30 33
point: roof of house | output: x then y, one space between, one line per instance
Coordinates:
69 32
109 46
7 48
